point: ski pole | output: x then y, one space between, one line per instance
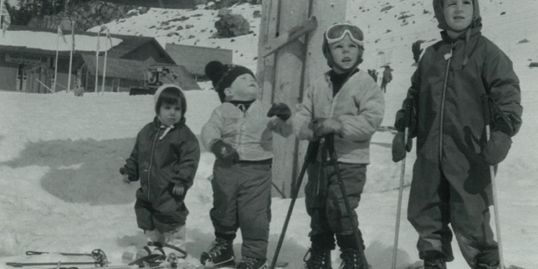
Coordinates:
310 156
33 252
23 264
487 118
399 208
329 141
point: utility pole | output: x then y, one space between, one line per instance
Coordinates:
290 60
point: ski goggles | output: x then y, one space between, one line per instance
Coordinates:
338 31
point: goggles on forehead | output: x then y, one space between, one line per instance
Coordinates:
338 31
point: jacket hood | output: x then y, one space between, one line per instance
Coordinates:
439 15
182 99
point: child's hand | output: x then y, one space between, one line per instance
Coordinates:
497 148
323 127
178 190
225 152
281 110
124 175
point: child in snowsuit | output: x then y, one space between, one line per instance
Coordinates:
239 133
446 109
165 159
347 104
387 77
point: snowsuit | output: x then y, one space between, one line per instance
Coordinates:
451 183
359 106
159 162
387 77
242 191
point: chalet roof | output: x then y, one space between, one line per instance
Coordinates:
195 58
84 42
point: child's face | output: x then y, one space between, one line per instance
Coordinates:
458 14
170 114
244 88
345 54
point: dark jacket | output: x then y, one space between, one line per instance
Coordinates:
447 95
162 161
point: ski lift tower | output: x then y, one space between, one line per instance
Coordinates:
289 49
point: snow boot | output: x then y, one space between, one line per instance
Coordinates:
486 266
353 259
434 264
174 242
318 259
251 263
220 254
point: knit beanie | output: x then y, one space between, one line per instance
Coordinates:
223 75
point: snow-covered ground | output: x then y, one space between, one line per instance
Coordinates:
59 154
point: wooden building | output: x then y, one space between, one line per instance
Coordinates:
30 67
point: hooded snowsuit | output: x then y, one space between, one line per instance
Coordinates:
451 182
162 157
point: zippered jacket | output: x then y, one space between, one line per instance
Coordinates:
163 157
359 105
448 98
250 133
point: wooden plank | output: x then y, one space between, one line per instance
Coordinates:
290 36
281 74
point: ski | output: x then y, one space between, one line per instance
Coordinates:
33 253
98 255
419 265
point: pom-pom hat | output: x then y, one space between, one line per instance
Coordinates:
223 75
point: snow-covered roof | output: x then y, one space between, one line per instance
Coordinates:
51 41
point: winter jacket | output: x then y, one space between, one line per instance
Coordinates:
447 96
358 105
160 161
250 133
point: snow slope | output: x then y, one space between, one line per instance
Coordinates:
59 154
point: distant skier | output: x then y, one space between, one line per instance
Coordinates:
240 134
387 77
417 50
346 104
456 80
165 159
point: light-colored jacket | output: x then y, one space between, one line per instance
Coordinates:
359 106
249 132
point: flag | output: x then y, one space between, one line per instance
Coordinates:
61 33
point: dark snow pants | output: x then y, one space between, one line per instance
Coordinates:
325 204
166 214
437 200
242 199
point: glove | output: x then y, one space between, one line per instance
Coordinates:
323 127
123 171
178 190
281 110
400 146
224 152
496 148
405 117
